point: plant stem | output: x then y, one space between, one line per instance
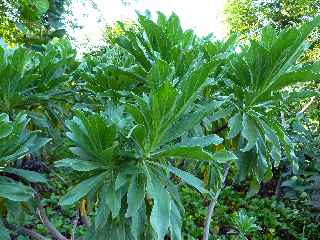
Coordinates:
75 224
50 227
24 231
30 233
213 203
85 220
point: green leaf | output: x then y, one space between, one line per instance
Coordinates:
224 156
5 126
291 78
103 211
121 180
208 140
41 5
15 191
82 189
160 72
160 213
157 38
138 223
190 120
175 222
254 187
135 195
4 232
113 199
192 84
196 153
78 165
26 174
37 144
249 132
235 125
187 177
131 46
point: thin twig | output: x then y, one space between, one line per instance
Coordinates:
278 188
213 203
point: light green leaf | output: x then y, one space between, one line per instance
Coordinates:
113 199
190 120
249 132
201 141
291 78
15 191
161 71
121 180
5 126
224 156
31 176
254 187
235 125
196 153
78 165
4 233
41 5
82 189
138 223
160 213
175 222
187 177
103 211
135 195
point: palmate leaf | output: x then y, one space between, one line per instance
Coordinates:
270 64
157 38
29 77
163 40
160 71
93 135
189 120
137 198
256 76
18 142
160 115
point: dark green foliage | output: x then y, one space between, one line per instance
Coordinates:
273 216
134 124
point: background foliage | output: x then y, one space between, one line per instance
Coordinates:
150 135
